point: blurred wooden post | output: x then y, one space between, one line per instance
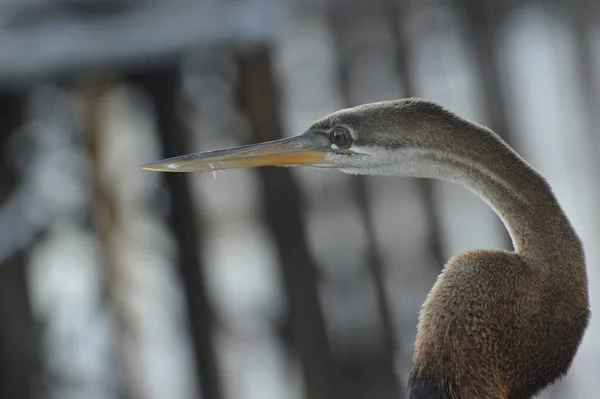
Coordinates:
482 23
581 19
381 370
163 87
20 364
282 206
396 10
104 215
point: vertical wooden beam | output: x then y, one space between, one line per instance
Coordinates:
482 24
383 374
396 10
104 218
163 87
20 364
283 211
582 16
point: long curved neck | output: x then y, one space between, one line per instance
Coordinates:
481 161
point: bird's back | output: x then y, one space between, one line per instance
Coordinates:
496 325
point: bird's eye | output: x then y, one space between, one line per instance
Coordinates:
341 137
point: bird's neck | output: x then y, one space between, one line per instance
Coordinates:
518 194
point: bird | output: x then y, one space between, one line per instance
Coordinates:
496 324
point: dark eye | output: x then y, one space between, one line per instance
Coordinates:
341 137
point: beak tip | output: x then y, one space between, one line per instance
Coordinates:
159 167
148 166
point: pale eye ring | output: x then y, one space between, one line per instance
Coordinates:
341 137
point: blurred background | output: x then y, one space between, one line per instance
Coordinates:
269 283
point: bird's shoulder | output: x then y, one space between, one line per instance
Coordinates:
489 271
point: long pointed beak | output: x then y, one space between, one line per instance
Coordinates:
310 148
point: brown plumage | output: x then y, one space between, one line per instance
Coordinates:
497 324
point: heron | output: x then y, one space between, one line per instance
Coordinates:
496 324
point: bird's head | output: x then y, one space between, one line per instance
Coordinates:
375 138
